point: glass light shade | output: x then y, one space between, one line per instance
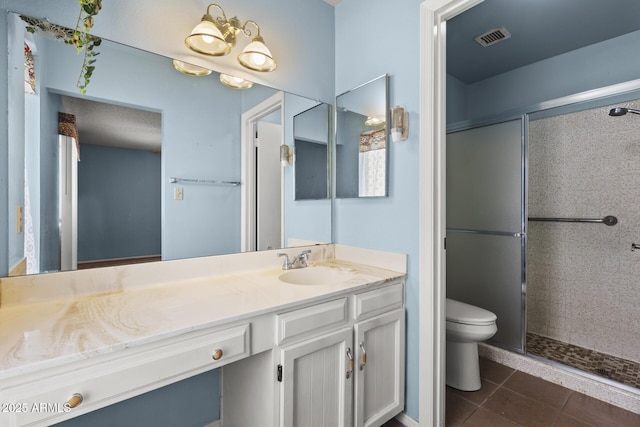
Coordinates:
207 39
256 56
190 69
373 121
235 82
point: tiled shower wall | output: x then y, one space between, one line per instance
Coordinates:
583 280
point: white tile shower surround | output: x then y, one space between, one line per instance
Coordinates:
582 279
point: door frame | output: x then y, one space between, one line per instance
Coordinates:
432 157
249 122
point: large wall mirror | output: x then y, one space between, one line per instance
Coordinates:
362 135
157 169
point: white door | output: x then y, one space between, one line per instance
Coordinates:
68 202
268 186
317 388
379 387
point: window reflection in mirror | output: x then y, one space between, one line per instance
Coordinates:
311 133
362 149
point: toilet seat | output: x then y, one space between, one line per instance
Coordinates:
466 314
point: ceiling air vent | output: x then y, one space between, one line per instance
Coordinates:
493 36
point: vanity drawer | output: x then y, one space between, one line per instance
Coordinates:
311 320
372 303
120 378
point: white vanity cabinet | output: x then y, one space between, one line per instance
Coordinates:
96 382
352 375
317 379
290 355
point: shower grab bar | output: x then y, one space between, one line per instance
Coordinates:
607 220
203 181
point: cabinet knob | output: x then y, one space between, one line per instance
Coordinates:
74 401
364 356
217 354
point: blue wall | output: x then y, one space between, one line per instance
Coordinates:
118 203
390 224
4 152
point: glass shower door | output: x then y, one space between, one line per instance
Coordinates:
486 235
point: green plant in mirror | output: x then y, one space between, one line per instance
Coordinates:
82 40
78 37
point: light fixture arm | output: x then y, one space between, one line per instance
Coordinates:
246 31
219 20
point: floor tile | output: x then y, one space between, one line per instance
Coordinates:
485 418
538 389
458 409
521 409
493 371
393 423
599 413
567 421
479 396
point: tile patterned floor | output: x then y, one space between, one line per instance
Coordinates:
621 370
513 398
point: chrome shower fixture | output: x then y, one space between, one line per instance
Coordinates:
621 111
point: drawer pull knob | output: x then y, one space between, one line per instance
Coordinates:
364 356
74 401
217 354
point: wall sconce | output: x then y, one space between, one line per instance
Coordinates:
399 124
190 69
286 155
216 36
235 82
373 121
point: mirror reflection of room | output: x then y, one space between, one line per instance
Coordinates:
362 141
135 95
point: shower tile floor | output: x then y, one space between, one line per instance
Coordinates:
621 370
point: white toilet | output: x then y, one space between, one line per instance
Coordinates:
466 326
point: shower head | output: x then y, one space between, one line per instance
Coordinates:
621 111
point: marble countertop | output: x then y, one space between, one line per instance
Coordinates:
41 334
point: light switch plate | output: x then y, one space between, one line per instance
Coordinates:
177 193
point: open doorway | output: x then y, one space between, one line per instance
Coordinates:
262 189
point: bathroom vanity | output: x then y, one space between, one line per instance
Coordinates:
290 351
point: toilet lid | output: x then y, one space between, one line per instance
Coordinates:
459 312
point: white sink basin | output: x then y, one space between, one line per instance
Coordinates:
315 276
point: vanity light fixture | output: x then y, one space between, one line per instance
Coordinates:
235 82
216 36
190 69
399 124
286 155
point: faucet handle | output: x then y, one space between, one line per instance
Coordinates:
286 264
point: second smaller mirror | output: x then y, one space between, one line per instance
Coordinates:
311 133
362 153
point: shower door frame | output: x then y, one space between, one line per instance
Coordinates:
524 167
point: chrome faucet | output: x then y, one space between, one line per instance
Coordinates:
299 261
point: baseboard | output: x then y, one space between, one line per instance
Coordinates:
216 423
407 420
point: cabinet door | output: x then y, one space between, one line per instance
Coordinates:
379 387
316 388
